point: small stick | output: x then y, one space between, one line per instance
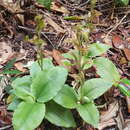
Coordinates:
116 25
42 33
6 127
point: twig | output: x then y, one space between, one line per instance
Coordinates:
42 33
61 40
83 4
104 4
116 25
33 31
6 127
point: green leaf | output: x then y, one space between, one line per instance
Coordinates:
68 56
94 88
124 89
89 113
35 68
48 83
22 88
97 49
46 3
122 2
73 18
107 70
66 62
40 25
1 78
66 97
12 72
28 116
124 86
10 64
125 81
88 63
58 115
71 54
13 105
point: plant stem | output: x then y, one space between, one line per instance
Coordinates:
40 56
81 74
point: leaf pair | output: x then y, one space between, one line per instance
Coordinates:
35 90
92 89
95 49
108 71
28 116
59 115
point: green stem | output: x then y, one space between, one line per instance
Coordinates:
81 75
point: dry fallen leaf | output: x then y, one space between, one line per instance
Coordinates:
56 7
123 60
6 52
1 90
54 25
118 42
20 67
57 57
59 8
107 40
107 117
127 53
4 116
13 8
127 124
128 103
103 125
98 37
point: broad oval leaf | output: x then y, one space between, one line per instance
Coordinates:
89 113
66 97
35 68
107 70
48 83
28 116
94 88
97 49
58 115
22 88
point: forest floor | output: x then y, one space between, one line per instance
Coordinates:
111 27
